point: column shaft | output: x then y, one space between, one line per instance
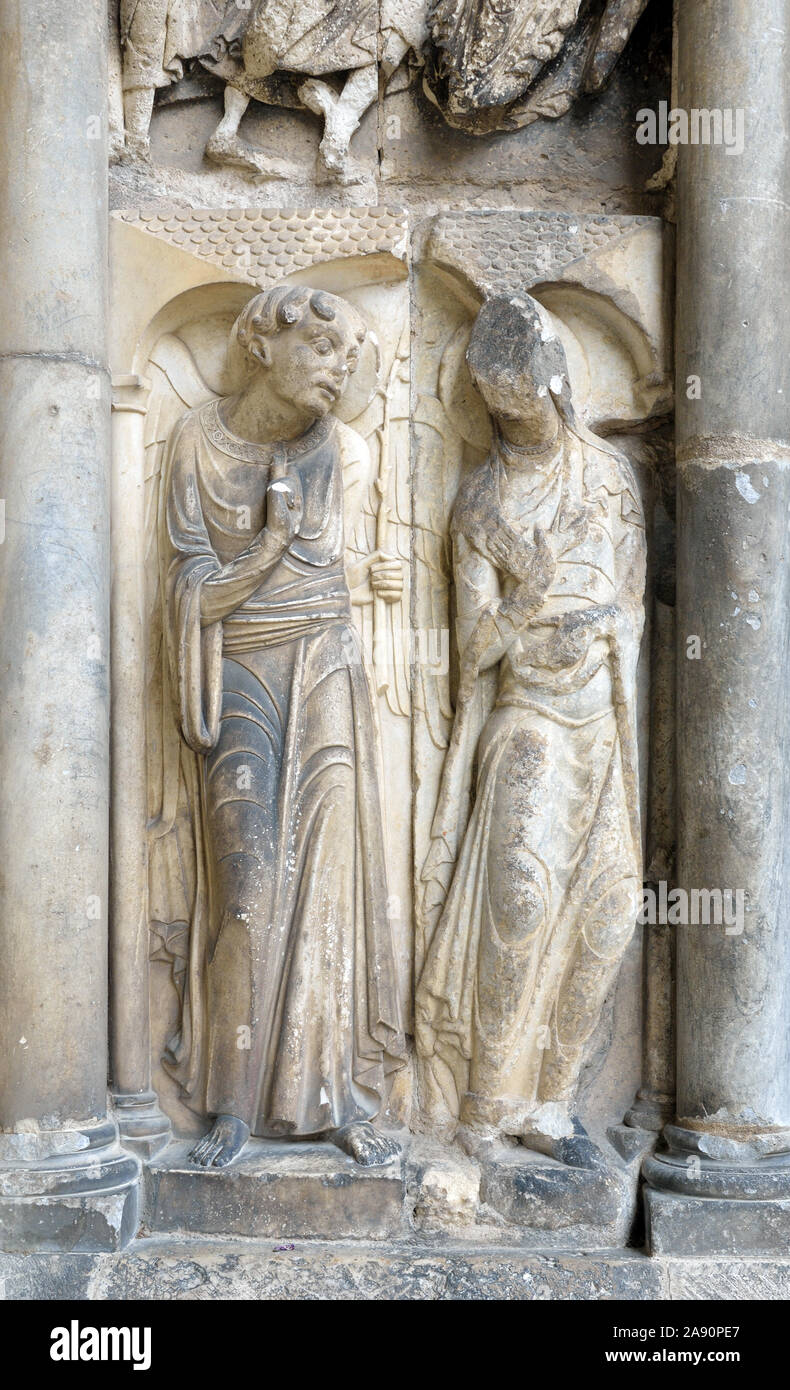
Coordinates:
143 1126
62 1176
732 1135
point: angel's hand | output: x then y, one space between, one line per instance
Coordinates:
283 506
378 574
386 577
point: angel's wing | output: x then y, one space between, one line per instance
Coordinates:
176 386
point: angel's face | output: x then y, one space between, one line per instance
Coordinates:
308 364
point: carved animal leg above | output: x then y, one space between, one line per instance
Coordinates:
342 115
227 147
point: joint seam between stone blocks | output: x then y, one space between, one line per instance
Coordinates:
74 359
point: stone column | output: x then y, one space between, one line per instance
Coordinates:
655 1099
723 1182
64 1179
143 1126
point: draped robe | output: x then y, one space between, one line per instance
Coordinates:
540 884
290 1018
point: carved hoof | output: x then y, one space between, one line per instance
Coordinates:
237 154
341 168
136 150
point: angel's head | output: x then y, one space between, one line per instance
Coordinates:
306 342
519 367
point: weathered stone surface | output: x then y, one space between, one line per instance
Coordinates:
64 1181
682 1225
588 1208
500 70
162 1268
527 899
741 1279
725 1159
447 1194
69 1189
287 1191
173 1270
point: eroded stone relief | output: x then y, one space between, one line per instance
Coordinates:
286 87
301 682
494 68
534 889
290 1014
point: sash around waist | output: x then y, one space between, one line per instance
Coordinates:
246 631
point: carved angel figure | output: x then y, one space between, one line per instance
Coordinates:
290 1018
535 887
496 66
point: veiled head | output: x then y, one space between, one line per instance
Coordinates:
518 364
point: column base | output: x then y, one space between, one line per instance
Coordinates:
739 1164
711 1194
650 1110
68 1189
143 1127
677 1224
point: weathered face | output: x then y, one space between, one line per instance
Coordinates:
517 363
310 363
517 395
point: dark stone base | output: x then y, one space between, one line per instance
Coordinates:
84 1197
168 1269
552 1202
144 1129
683 1225
279 1190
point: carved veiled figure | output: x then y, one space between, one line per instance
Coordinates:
536 885
290 1016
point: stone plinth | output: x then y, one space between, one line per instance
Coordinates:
283 1191
178 1270
547 1200
681 1225
67 1190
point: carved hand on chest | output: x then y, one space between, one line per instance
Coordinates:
284 502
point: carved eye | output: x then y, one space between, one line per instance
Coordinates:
322 346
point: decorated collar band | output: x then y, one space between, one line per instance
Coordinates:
262 453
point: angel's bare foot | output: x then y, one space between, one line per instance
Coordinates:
365 1145
224 1142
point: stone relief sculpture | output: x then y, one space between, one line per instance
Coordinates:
273 51
157 38
530 886
485 68
501 68
290 1018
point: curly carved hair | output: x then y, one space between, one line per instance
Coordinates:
287 306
